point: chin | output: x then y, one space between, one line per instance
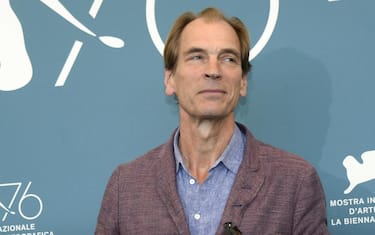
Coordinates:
213 114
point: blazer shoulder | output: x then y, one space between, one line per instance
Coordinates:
282 159
146 159
146 164
278 161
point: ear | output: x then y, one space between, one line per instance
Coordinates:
243 88
169 83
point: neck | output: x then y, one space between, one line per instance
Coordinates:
202 142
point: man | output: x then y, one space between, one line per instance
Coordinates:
212 176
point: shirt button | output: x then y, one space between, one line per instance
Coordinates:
197 216
192 181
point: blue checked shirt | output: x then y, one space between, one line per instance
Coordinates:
204 204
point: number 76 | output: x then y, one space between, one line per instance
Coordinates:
25 195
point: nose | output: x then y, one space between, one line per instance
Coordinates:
213 69
212 76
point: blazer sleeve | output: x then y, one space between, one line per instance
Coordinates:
310 208
108 217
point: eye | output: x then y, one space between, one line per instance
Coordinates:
229 59
195 57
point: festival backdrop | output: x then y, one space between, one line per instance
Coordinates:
81 91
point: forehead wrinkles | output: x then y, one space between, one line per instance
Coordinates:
212 37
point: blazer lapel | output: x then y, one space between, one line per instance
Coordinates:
167 187
248 183
242 194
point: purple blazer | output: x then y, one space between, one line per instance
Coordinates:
275 192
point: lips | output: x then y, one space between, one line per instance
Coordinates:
212 91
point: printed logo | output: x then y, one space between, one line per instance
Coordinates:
8 206
15 66
356 210
258 47
16 69
17 199
359 173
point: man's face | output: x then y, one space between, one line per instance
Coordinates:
208 79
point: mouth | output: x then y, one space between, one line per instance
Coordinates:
212 91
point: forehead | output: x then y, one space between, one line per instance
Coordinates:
213 34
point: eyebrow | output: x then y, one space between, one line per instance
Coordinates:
222 51
193 50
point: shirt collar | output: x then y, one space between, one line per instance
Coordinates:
231 157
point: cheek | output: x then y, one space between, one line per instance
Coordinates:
186 80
